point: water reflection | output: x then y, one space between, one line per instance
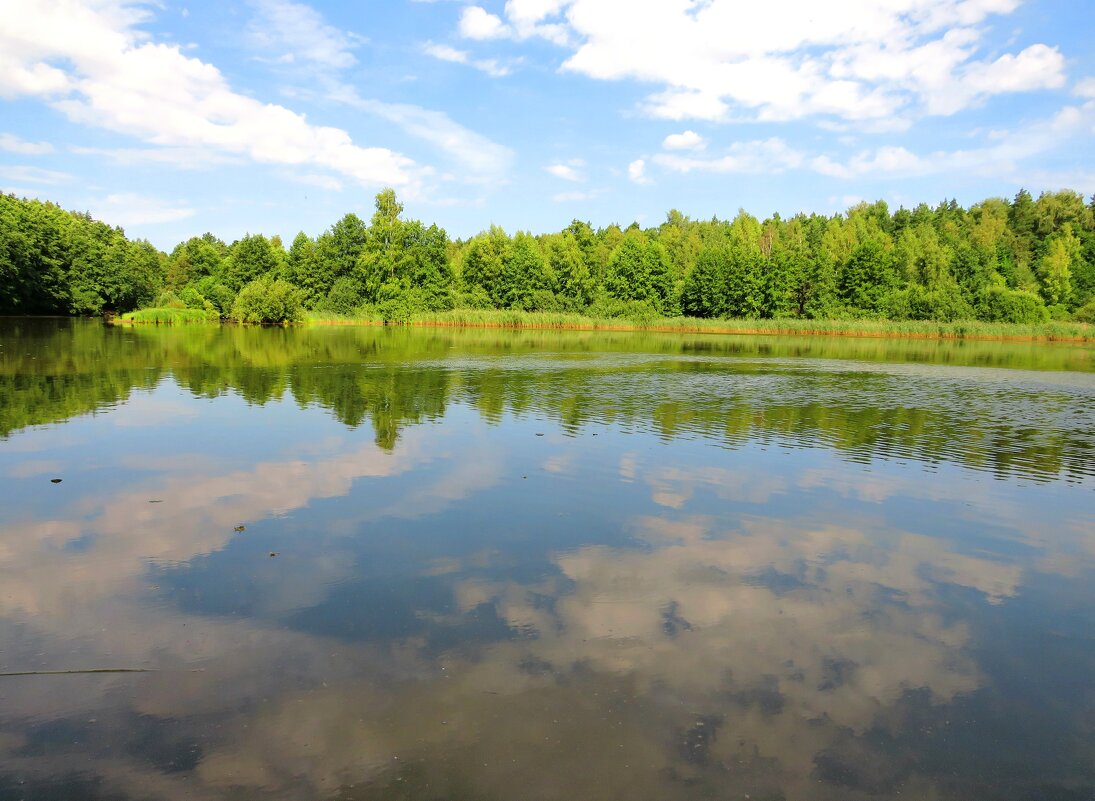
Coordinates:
577 575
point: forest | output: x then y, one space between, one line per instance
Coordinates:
1023 260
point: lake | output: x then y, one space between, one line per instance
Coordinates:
368 563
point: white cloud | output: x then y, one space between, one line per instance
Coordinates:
569 171
127 209
478 23
689 140
13 144
999 159
114 77
446 53
483 159
636 171
721 60
1085 88
33 175
297 33
760 156
528 13
888 160
525 20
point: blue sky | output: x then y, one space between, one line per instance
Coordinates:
271 116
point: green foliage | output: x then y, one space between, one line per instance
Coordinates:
998 304
567 265
474 298
482 267
192 298
336 254
252 257
344 297
998 260
1086 313
917 302
216 294
639 270
705 288
867 277
267 300
170 316
523 275
1055 267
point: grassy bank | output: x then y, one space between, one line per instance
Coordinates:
167 317
913 329
509 318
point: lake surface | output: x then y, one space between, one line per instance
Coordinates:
437 564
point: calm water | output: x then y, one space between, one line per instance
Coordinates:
377 564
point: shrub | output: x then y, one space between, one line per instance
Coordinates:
268 301
1086 313
544 300
474 298
998 304
216 294
1059 312
169 300
191 298
169 316
343 298
916 302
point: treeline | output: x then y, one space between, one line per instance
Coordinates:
1021 261
54 261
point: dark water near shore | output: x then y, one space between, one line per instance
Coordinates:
536 565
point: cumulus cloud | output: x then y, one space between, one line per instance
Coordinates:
114 77
570 171
720 60
636 171
689 140
478 23
526 19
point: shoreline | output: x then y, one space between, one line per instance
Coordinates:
727 328
1074 333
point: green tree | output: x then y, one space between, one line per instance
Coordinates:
868 277
482 266
523 275
639 270
1054 269
574 283
251 257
